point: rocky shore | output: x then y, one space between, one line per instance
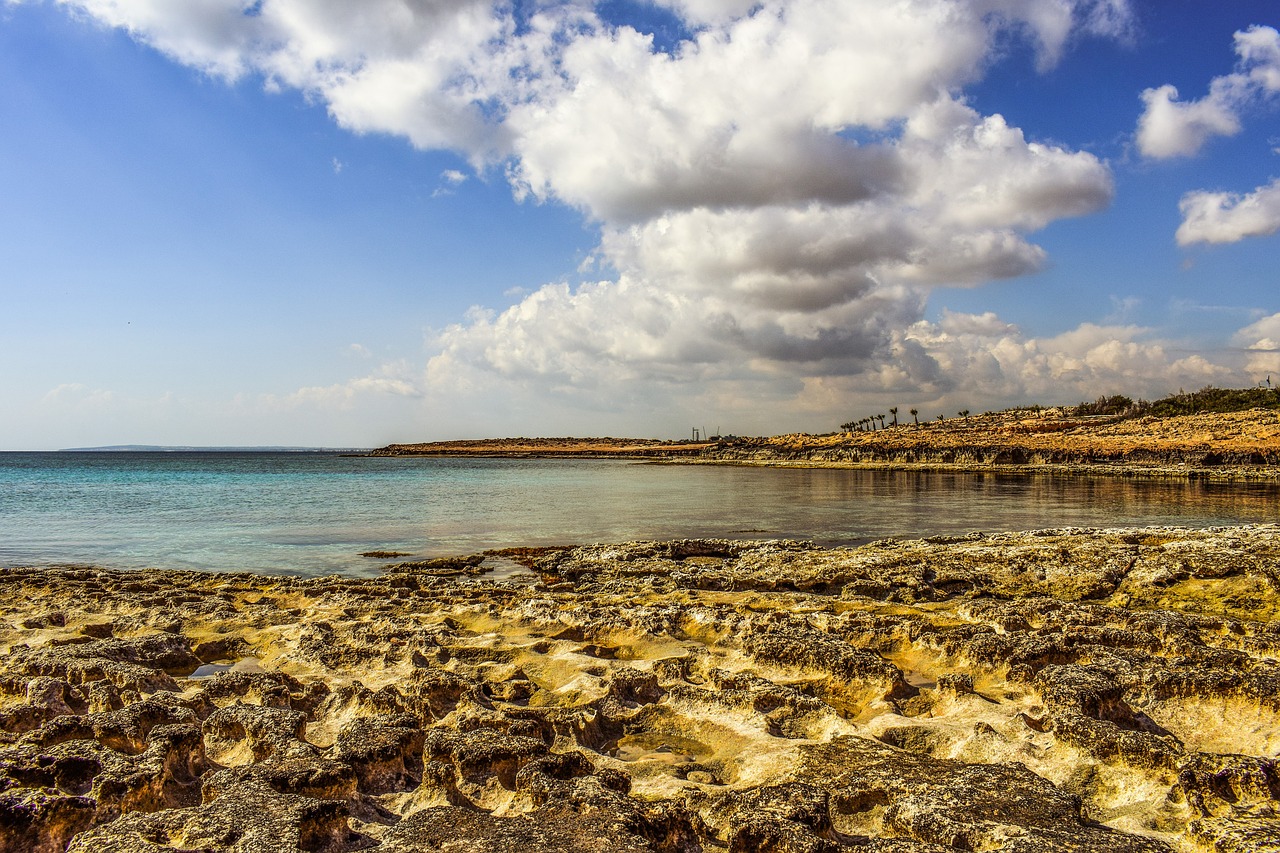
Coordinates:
1236 446
1232 447
1062 690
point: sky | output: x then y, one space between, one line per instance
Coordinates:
326 223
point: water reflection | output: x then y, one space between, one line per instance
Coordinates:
837 506
315 513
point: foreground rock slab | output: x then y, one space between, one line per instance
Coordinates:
1060 690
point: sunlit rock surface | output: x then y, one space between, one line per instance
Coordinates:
1062 690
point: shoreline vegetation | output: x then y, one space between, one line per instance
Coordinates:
1056 691
1223 445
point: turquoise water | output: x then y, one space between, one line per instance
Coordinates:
315 513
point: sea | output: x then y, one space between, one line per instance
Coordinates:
317 513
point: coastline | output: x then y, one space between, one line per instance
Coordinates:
1075 689
1218 474
1231 447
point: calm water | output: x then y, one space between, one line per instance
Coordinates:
315 513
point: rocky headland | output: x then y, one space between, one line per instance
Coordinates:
1060 690
1239 446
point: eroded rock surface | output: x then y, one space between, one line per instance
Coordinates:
1062 690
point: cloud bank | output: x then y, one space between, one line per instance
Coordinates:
775 193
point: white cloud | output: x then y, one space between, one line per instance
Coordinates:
396 66
78 396
1262 342
996 363
972 361
1172 128
343 394
775 195
64 391
389 381
1218 217
450 180
780 281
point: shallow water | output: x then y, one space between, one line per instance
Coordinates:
315 513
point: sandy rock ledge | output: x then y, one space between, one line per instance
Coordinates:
1061 690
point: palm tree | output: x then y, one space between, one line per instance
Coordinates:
915 412
880 418
964 413
894 412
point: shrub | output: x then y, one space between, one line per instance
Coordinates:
1215 400
1117 404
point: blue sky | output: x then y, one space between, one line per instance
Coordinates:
336 224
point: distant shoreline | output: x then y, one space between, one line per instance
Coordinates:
1231 447
550 448
157 448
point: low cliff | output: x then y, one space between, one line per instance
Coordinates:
1236 445
1241 444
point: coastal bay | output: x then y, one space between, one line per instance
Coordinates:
1101 675
298 295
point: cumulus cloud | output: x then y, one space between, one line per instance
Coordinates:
960 360
395 66
1170 128
985 358
1218 217
1261 341
775 194
753 233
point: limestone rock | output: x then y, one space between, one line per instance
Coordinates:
1059 690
